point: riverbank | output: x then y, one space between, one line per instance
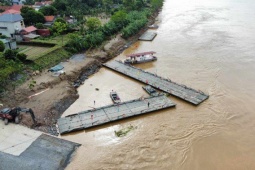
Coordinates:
51 96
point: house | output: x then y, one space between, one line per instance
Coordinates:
38 5
18 2
11 11
9 44
43 32
49 20
29 33
10 24
14 9
28 30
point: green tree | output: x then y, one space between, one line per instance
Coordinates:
59 19
39 26
2 46
31 17
21 56
139 4
48 10
58 28
10 54
93 23
29 2
107 3
156 4
119 18
25 9
60 5
129 4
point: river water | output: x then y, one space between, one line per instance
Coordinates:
204 44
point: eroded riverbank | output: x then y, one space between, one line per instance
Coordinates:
51 96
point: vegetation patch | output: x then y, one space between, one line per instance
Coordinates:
33 51
57 55
124 131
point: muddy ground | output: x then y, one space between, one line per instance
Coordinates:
52 95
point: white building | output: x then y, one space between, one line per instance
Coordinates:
9 44
11 24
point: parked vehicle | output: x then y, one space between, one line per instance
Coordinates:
115 97
150 90
13 114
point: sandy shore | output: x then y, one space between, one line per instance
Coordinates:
52 95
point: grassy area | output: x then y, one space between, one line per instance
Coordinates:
60 40
33 52
49 59
21 48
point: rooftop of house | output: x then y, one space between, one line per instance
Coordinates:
4 7
43 3
13 7
16 7
10 18
11 11
49 18
30 29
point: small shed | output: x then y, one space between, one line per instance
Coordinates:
49 20
43 32
28 30
9 44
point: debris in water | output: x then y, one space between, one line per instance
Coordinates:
123 132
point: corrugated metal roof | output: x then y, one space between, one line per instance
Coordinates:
10 18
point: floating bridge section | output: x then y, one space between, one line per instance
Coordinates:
188 94
102 115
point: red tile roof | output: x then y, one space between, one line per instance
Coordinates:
48 2
30 29
11 11
38 3
49 18
43 3
16 7
4 7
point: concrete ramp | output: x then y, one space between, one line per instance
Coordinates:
22 148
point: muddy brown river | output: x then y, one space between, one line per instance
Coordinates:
204 44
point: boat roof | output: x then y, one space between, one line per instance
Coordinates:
139 54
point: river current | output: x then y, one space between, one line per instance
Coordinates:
208 45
